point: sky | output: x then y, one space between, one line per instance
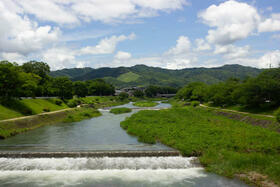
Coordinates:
171 34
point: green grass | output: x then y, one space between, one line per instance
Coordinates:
224 146
128 77
17 108
38 105
82 114
6 113
120 110
145 104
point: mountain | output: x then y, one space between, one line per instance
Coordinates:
142 75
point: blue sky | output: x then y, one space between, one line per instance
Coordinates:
170 34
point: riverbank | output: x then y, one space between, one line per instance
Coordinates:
22 123
224 146
15 126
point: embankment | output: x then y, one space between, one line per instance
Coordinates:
12 127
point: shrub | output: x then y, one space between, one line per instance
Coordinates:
58 102
46 110
277 115
195 103
73 103
122 96
120 110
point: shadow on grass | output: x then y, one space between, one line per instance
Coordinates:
15 104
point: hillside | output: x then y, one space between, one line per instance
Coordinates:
141 75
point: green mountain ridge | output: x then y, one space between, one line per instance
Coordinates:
142 75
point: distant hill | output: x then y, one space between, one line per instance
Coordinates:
142 75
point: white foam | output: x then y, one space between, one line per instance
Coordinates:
78 177
103 163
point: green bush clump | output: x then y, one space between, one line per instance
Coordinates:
195 103
74 102
120 110
46 110
81 114
277 115
58 102
145 104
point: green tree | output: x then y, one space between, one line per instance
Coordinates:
10 81
123 96
62 87
138 93
80 89
39 68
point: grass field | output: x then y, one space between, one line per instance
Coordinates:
120 110
224 146
128 77
145 104
18 108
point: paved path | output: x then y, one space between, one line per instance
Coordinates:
44 113
228 110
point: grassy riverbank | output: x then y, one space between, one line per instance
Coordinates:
120 110
13 127
18 108
145 104
225 146
37 115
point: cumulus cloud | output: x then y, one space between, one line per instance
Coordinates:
270 59
271 24
106 45
202 45
61 57
231 51
18 34
182 46
121 55
233 21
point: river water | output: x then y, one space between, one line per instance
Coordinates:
96 134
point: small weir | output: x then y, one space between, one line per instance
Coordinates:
89 154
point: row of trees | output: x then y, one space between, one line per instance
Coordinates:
31 79
261 91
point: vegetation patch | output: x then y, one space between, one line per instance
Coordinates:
82 114
224 146
128 77
120 110
145 104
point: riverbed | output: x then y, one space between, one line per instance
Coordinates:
98 134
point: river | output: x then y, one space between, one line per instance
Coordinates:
98 134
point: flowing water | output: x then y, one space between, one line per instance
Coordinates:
102 133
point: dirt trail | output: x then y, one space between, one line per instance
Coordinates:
25 117
228 110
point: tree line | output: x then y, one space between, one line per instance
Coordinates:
32 80
262 91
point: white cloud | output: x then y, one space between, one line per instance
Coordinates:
18 34
59 58
49 10
121 55
109 11
231 51
13 57
182 46
233 21
270 59
106 45
201 45
271 24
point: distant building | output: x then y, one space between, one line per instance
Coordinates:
129 90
